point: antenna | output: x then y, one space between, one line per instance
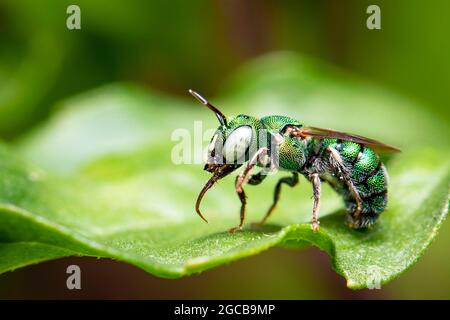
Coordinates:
220 116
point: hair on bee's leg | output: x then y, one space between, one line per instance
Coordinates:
315 179
241 179
290 181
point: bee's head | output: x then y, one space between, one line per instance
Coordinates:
230 146
232 141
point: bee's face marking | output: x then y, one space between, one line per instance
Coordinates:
212 145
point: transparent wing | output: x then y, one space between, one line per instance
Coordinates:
320 133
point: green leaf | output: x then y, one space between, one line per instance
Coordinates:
110 189
20 254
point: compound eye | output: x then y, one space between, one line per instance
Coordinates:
237 144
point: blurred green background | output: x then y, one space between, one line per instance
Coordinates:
172 46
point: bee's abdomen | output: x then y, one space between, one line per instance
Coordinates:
370 179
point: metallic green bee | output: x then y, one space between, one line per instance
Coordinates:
346 161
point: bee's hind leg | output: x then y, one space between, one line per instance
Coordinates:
336 161
315 179
290 181
241 179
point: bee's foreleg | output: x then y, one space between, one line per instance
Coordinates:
315 179
241 194
338 164
241 179
290 181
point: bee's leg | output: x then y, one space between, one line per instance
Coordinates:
290 181
338 163
315 179
257 178
241 179
241 194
